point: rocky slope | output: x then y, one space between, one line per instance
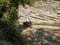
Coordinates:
45 17
48 12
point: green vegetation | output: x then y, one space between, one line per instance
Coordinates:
8 19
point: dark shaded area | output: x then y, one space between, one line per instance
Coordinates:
43 37
27 24
23 26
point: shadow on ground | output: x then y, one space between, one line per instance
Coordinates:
42 37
